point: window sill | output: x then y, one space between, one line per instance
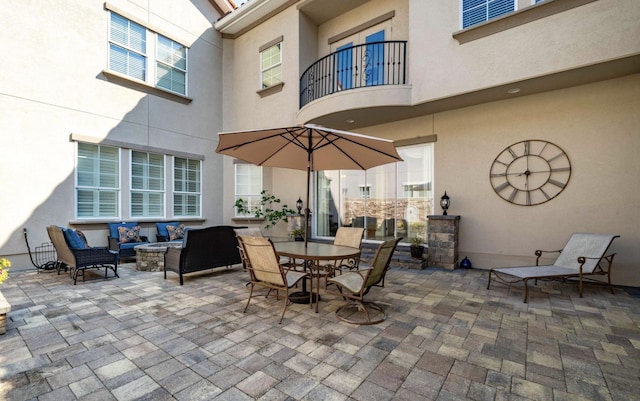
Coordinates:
517 18
145 220
250 220
271 90
143 87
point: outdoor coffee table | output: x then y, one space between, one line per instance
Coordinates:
312 254
150 257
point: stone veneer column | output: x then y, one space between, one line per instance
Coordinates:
442 241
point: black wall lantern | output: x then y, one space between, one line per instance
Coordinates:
299 205
445 202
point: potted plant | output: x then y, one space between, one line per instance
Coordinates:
4 304
297 234
267 208
416 247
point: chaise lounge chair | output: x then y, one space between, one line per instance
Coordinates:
583 255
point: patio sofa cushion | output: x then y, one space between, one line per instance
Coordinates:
176 232
162 234
129 234
130 229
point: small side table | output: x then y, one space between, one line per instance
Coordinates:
150 257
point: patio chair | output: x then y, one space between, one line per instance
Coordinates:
266 271
345 236
354 285
123 237
169 231
74 253
582 256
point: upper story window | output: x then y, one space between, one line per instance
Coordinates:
477 11
171 65
186 187
248 187
130 46
271 65
147 184
127 47
97 181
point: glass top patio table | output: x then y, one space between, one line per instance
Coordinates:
311 254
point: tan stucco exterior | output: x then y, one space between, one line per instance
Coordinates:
575 62
576 65
54 87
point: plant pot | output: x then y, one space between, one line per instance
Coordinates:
298 238
416 251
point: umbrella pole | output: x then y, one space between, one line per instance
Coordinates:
306 209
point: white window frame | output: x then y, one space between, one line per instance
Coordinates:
249 191
128 48
149 172
486 5
97 170
171 65
267 69
186 192
151 75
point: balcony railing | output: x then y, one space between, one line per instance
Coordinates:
371 64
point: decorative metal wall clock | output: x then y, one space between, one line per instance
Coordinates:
530 172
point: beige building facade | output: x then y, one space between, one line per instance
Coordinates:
60 92
564 72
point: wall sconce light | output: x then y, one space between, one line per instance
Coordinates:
299 205
445 202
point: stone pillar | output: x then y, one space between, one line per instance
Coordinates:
442 241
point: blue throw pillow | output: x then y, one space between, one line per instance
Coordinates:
73 239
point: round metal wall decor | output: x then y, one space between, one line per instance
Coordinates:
530 172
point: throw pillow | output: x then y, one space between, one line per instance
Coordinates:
175 232
73 239
126 234
83 238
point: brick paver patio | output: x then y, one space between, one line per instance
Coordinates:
446 337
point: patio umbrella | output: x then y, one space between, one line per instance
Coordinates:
309 147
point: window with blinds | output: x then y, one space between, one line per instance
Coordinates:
97 181
147 184
127 47
186 187
477 11
171 65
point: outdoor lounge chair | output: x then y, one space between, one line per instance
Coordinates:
266 270
354 285
73 252
583 255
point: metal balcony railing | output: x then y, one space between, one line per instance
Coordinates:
371 64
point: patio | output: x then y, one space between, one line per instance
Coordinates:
446 338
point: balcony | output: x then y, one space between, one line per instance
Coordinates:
367 65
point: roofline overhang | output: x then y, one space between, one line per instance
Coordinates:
249 15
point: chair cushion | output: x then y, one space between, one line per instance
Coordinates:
162 228
113 227
175 232
129 234
74 240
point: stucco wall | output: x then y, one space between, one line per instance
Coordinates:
53 87
596 125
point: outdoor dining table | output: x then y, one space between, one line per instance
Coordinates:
312 254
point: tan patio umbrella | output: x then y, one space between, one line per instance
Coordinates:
309 147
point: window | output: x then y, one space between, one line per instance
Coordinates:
248 178
147 184
97 181
271 65
392 200
477 11
186 187
171 65
127 47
